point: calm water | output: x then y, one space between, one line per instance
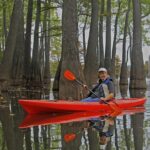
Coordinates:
130 131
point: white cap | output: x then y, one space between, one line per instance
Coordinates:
102 69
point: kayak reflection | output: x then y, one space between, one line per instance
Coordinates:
61 118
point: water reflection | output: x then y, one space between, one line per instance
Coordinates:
127 131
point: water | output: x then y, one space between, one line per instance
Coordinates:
130 132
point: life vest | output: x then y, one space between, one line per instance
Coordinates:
101 89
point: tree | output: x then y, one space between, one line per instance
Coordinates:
115 41
18 58
91 66
7 61
124 68
70 52
108 37
27 50
101 45
47 46
35 66
137 76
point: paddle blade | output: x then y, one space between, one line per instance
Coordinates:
69 137
69 75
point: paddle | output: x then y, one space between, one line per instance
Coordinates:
70 76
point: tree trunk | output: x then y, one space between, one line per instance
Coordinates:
70 52
101 45
73 128
36 138
35 66
93 139
137 76
127 137
84 35
108 37
47 46
124 68
41 53
27 52
11 137
4 19
138 132
28 142
91 65
56 81
115 42
18 59
7 61
137 121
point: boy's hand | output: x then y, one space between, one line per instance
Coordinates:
103 99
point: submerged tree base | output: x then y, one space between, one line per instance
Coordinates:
137 84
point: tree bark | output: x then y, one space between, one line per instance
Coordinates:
70 52
4 19
35 66
6 65
56 81
101 45
27 50
115 42
138 133
73 128
127 137
11 132
93 139
84 36
124 68
47 46
108 38
137 76
36 138
91 66
18 59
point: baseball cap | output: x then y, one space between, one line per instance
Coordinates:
102 70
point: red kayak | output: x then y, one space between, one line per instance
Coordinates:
60 118
47 106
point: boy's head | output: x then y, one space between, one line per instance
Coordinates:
102 73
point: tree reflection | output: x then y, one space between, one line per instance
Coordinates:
136 124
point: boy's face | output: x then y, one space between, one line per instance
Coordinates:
103 75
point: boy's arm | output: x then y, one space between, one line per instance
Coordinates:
110 96
111 92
